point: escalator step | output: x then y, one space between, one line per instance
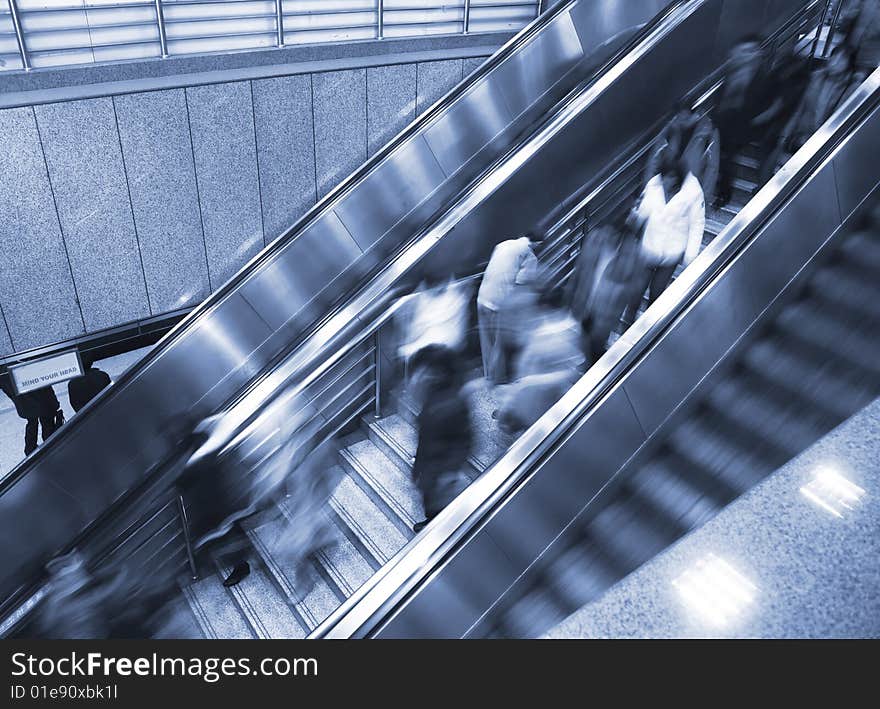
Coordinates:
370 528
309 595
772 418
385 484
711 455
395 437
581 574
343 566
815 327
266 611
672 495
216 613
629 534
533 614
848 290
861 251
815 384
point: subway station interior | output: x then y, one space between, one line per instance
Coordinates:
419 319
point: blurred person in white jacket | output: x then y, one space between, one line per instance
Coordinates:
673 208
508 284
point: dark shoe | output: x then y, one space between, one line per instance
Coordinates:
419 526
238 574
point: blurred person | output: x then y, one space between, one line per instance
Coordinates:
437 314
507 285
86 387
745 94
615 288
229 475
445 438
693 139
597 249
673 210
828 88
39 408
550 363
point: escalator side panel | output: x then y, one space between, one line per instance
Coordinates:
613 432
855 168
531 73
279 291
391 192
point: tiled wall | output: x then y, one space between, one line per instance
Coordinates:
122 207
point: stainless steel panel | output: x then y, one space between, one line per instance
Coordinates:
534 70
468 125
299 272
608 22
461 595
586 460
856 165
393 189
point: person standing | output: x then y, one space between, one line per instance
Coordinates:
510 275
40 408
86 387
674 211
444 429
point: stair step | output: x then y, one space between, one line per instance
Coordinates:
815 327
343 566
533 614
490 443
215 611
307 593
626 534
395 437
848 290
816 384
385 484
581 575
673 495
376 536
266 611
781 422
711 455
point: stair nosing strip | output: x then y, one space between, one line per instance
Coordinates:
202 619
344 518
302 613
388 499
243 602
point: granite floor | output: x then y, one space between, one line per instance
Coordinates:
796 557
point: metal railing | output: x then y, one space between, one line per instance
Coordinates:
34 35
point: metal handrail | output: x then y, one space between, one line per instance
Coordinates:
419 559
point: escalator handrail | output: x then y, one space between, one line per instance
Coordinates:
327 203
392 585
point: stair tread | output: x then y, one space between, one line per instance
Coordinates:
707 450
396 490
628 536
848 289
818 384
371 527
783 423
309 594
265 609
215 611
674 495
345 566
814 326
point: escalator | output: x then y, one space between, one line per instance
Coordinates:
768 342
309 312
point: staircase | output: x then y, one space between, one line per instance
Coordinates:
370 517
815 365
